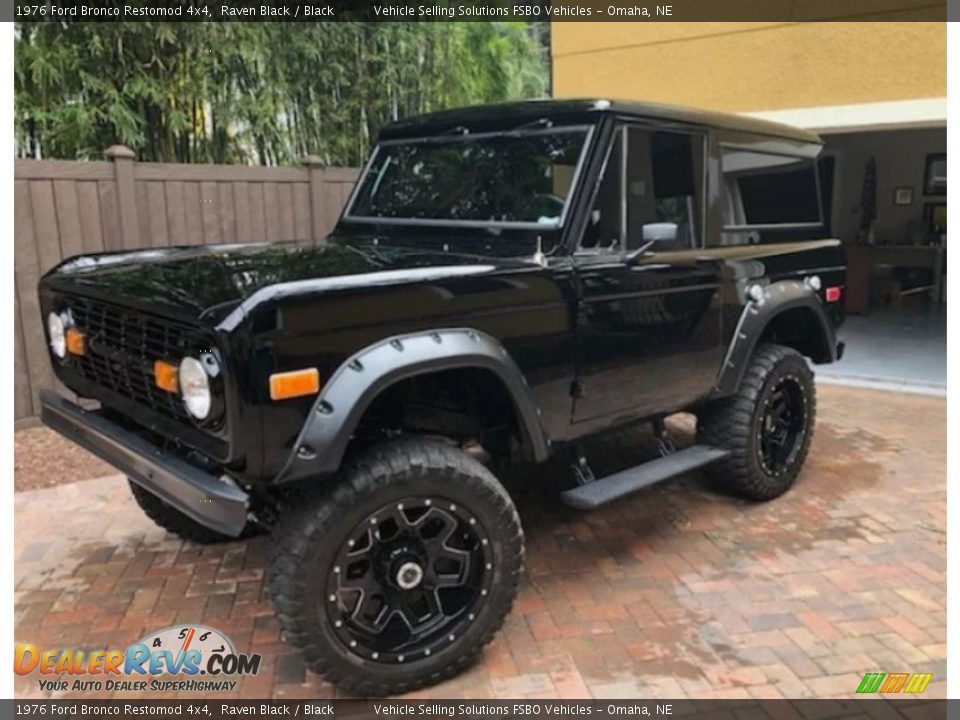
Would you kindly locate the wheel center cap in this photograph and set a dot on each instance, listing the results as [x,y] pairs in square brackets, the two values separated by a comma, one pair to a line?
[409,575]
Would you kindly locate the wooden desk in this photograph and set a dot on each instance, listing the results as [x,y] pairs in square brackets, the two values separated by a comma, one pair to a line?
[862,260]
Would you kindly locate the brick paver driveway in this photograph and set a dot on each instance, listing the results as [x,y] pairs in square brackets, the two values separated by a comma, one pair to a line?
[676,592]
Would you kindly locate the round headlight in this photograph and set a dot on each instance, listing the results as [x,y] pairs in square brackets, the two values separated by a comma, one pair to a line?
[195,387]
[58,336]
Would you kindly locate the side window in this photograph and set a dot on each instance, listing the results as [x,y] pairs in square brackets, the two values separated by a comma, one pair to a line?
[604,229]
[767,197]
[664,189]
[652,189]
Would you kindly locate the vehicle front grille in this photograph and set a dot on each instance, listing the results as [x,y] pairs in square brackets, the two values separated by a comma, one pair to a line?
[122,346]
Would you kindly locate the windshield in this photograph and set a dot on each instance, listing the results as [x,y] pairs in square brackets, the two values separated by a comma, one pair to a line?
[521,177]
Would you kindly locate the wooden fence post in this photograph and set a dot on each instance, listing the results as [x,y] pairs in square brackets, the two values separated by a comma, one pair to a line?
[123,159]
[316,171]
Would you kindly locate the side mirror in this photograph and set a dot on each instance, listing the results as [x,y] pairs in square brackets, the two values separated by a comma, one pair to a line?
[652,234]
[660,232]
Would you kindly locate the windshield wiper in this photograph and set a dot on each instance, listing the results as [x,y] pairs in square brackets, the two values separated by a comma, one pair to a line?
[540,122]
[533,124]
[455,130]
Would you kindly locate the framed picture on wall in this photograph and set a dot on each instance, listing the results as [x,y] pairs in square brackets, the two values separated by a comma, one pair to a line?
[903,196]
[935,174]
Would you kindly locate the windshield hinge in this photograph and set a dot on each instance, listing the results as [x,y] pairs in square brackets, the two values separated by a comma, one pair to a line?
[538,257]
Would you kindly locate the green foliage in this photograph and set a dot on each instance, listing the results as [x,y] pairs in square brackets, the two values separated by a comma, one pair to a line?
[262,93]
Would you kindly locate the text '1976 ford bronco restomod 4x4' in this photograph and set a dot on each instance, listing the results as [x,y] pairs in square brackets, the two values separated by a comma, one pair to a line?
[504,283]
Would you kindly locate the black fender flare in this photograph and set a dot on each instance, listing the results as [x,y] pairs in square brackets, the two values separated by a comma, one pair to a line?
[323,439]
[776,298]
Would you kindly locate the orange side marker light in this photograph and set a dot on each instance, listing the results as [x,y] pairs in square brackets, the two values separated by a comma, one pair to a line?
[76,342]
[295,383]
[165,375]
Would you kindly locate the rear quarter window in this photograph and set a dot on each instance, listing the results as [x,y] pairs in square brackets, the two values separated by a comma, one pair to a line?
[768,197]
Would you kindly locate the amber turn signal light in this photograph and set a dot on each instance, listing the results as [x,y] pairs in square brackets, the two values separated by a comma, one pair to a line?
[294,384]
[165,375]
[76,342]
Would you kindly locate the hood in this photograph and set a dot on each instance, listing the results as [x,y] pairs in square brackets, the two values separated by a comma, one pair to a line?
[204,284]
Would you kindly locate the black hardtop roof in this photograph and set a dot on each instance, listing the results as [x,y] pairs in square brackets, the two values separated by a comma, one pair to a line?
[508,115]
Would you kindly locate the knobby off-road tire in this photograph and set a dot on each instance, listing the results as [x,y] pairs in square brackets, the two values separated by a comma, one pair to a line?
[401,526]
[172,520]
[776,398]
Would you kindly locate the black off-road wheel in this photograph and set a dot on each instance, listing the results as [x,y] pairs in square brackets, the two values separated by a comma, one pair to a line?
[767,426]
[172,520]
[401,571]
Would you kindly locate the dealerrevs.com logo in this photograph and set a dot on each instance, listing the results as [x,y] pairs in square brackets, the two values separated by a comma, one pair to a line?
[201,657]
[894,682]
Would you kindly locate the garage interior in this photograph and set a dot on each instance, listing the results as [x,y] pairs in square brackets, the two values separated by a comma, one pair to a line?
[884,194]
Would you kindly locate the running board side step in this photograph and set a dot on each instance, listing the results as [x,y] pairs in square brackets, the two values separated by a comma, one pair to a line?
[601,491]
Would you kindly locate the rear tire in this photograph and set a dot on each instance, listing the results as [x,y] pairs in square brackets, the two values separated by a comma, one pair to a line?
[767,425]
[399,572]
[172,520]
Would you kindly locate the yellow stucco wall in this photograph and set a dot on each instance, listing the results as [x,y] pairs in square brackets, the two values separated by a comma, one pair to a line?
[750,66]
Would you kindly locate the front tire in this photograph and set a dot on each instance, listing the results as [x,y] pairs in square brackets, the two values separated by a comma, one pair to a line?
[766,426]
[174,521]
[398,574]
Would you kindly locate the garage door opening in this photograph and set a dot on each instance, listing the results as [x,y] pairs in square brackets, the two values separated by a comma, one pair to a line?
[888,207]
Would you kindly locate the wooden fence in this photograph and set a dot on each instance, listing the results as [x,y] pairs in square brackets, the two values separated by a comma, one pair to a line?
[65,208]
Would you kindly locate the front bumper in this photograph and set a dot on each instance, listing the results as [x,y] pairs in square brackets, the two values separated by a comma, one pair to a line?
[216,504]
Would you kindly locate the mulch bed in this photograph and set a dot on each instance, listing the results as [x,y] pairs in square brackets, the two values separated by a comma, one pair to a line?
[42,459]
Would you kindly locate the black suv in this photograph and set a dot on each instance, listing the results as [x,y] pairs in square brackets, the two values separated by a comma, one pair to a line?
[503,283]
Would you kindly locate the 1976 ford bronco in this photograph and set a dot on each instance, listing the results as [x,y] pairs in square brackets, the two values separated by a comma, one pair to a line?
[504,283]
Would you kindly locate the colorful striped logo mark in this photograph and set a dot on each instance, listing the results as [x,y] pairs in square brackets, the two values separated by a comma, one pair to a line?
[894,682]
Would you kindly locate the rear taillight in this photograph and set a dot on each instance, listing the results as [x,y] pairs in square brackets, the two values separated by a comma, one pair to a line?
[833,294]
